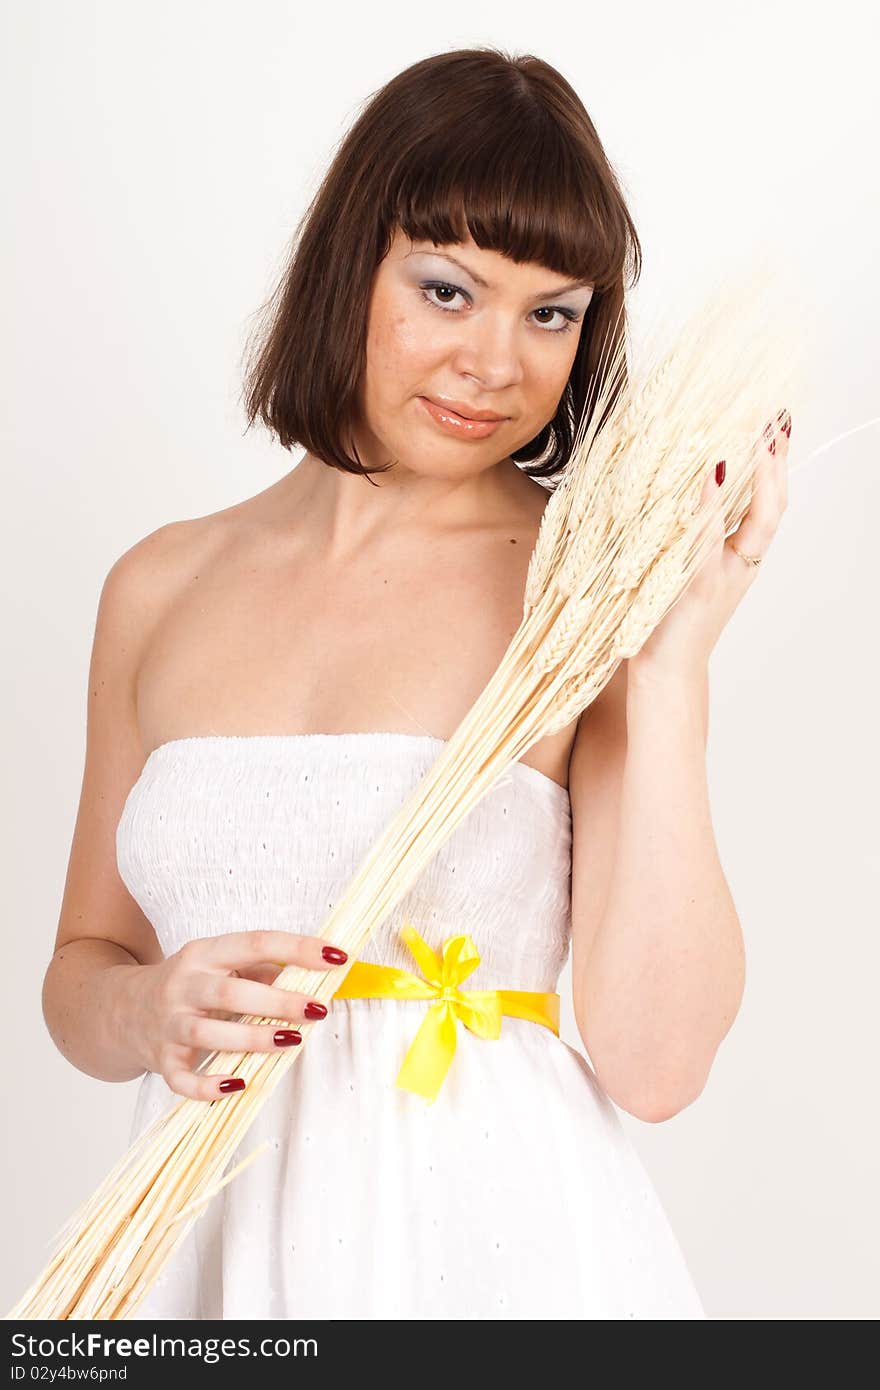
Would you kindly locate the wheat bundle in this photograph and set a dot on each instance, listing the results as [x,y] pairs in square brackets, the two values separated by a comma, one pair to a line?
[620,539]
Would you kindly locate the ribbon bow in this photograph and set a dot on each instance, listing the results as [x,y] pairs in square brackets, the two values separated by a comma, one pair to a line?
[433,1047]
[431,1051]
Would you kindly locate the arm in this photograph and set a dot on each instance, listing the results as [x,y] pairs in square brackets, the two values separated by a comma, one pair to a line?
[84,991]
[103,940]
[658,956]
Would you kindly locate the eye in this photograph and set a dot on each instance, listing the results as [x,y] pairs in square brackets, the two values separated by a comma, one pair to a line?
[429,285]
[569,316]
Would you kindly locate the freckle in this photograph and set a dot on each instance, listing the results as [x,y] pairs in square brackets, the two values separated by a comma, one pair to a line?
[513,540]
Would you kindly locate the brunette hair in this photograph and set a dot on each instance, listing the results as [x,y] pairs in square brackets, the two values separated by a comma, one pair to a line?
[472,141]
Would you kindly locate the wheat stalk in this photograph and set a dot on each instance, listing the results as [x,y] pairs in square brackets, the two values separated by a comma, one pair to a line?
[620,538]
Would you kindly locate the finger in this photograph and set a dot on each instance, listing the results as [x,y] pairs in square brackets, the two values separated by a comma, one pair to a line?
[180,1077]
[219,992]
[777,432]
[767,503]
[712,491]
[232,950]
[711,509]
[783,445]
[776,437]
[215,1035]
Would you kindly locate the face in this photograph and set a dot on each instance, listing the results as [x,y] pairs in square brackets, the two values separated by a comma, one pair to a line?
[455,331]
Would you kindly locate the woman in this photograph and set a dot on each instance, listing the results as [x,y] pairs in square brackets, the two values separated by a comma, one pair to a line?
[293,664]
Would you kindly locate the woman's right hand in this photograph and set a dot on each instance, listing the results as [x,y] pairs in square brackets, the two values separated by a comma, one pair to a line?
[181,1005]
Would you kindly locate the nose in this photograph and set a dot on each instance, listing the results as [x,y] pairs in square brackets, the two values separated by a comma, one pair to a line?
[490,352]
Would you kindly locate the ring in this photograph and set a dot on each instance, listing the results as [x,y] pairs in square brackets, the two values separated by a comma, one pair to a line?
[752,559]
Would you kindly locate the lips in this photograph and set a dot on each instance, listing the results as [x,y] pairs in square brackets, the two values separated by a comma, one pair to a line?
[452,422]
[464,410]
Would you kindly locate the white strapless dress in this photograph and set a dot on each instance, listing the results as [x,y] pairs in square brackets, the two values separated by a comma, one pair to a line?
[517,1193]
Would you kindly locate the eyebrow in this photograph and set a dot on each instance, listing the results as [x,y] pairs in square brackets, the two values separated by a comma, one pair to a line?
[484,284]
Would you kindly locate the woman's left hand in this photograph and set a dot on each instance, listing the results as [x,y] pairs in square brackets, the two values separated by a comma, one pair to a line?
[682,641]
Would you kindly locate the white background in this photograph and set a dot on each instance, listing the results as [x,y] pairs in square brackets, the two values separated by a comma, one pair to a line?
[156,158]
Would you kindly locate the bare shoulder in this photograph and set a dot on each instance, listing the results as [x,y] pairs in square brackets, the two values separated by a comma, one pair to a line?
[143,582]
[142,575]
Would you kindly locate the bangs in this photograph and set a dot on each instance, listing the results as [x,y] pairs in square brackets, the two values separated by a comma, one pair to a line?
[516,186]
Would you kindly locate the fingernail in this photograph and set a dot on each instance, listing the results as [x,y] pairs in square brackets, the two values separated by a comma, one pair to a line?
[785,419]
[235,1083]
[768,435]
[287,1037]
[314,1010]
[720,470]
[334,955]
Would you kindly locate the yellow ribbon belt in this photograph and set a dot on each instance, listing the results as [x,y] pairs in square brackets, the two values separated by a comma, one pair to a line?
[433,1047]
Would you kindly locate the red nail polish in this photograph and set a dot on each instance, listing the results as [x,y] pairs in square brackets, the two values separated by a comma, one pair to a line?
[235,1083]
[287,1037]
[334,955]
[314,1010]
[720,470]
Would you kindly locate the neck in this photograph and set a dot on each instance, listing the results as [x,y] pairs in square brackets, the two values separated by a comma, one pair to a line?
[345,511]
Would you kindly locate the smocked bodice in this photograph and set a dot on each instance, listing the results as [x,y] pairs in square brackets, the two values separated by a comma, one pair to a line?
[228,833]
